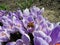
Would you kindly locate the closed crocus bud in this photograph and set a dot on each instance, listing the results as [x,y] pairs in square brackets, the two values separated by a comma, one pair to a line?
[42,10]
[2,13]
[26,12]
[19,42]
[42,35]
[36,11]
[26,39]
[18,14]
[11,43]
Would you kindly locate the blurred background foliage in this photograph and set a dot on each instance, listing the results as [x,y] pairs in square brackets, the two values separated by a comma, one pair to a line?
[52,7]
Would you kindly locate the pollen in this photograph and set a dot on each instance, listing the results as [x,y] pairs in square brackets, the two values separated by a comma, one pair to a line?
[30,24]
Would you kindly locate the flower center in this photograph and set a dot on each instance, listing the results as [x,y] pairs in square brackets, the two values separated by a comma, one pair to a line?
[31,24]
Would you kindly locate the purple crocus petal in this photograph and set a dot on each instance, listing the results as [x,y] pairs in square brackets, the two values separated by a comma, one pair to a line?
[40,20]
[18,14]
[50,29]
[48,39]
[11,43]
[33,11]
[43,35]
[8,25]
[27,20]
[30,19]
[36,41]
[4,36]
[2,13]
[29,23]
[39,34]
[19,42]
[41,11]
[30,30]
[50,25]
[36,11]
[26,12]
[39,41]
[55,35]
[22,30]
[10,15]
[26,39]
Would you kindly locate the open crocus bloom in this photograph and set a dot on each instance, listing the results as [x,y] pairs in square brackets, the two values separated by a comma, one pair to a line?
[4,36]
[55,35]
[28,27]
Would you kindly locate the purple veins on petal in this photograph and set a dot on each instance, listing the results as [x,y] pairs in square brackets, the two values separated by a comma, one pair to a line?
[19,42]
[40,41]
[42,35]
[2,13]
[30,19]
[39,34]
[19,15]
[4,36]
[10,15]
[26,39]
[36,41]
[36,11]
[55,35]
[50,25]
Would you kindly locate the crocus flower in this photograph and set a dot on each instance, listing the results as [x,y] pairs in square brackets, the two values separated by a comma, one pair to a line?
[18,14]
[42,35]
[2,13]
[55,35]
[39,41]
[32,26]
[24,41]
[4,36]
[28,20]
